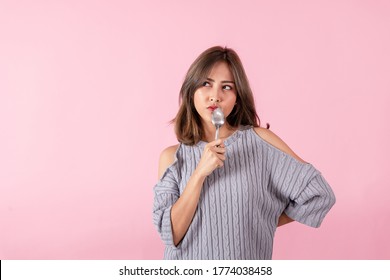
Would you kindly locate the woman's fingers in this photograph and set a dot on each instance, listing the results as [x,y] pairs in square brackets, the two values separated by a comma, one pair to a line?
[219,150]
[217,142]
[212,158]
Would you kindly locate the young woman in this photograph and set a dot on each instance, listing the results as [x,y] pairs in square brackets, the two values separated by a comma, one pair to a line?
[224,198]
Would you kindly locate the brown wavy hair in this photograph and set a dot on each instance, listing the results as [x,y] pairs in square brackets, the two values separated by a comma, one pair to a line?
[188,125]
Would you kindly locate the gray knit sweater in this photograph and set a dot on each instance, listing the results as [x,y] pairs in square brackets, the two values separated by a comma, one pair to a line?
[241,202]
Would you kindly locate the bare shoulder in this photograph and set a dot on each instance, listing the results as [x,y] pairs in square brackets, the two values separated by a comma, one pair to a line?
[270,137]
[167,157]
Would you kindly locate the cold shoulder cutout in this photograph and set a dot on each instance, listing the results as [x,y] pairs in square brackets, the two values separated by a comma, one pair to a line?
[167,158]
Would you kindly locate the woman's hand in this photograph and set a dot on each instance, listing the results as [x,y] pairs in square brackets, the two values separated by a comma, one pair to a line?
[213,157]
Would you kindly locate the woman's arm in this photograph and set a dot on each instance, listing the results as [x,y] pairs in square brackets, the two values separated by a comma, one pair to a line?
[284,219]
[184,208]
[312,198]
[275,141]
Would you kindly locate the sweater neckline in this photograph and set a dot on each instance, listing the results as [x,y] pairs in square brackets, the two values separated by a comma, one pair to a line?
[231,139]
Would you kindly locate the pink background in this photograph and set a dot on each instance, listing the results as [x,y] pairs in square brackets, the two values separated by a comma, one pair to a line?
[87,89]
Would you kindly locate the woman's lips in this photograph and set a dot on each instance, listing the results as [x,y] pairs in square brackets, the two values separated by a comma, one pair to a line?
[212,108]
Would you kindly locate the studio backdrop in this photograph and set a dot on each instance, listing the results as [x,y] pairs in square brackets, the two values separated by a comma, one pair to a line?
[88,88]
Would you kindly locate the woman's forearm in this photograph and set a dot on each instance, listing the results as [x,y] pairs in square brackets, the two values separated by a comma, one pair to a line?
[183,210]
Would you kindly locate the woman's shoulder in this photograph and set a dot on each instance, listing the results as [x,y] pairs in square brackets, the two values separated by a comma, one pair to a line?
[167,157]
[273,139]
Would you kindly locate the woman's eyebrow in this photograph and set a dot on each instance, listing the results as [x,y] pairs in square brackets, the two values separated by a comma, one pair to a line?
[224,82]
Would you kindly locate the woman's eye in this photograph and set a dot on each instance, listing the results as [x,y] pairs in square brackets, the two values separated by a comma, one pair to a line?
[227,87]
[206,84]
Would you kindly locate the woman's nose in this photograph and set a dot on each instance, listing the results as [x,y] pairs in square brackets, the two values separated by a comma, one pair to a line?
[214,99]
[215,96]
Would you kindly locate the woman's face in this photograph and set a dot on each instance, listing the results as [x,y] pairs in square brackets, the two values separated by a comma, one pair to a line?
[218,90]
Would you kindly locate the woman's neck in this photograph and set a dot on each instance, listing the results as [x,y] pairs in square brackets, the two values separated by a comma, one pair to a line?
[224,132]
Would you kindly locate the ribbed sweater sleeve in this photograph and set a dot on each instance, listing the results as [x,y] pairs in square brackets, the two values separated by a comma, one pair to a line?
[166,193]
[310,196]
[313,203]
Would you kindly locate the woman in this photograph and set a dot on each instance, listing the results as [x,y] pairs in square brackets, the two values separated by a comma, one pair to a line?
[224,198]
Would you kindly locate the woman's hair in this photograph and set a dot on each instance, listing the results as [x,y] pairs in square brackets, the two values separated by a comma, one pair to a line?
[188,124]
